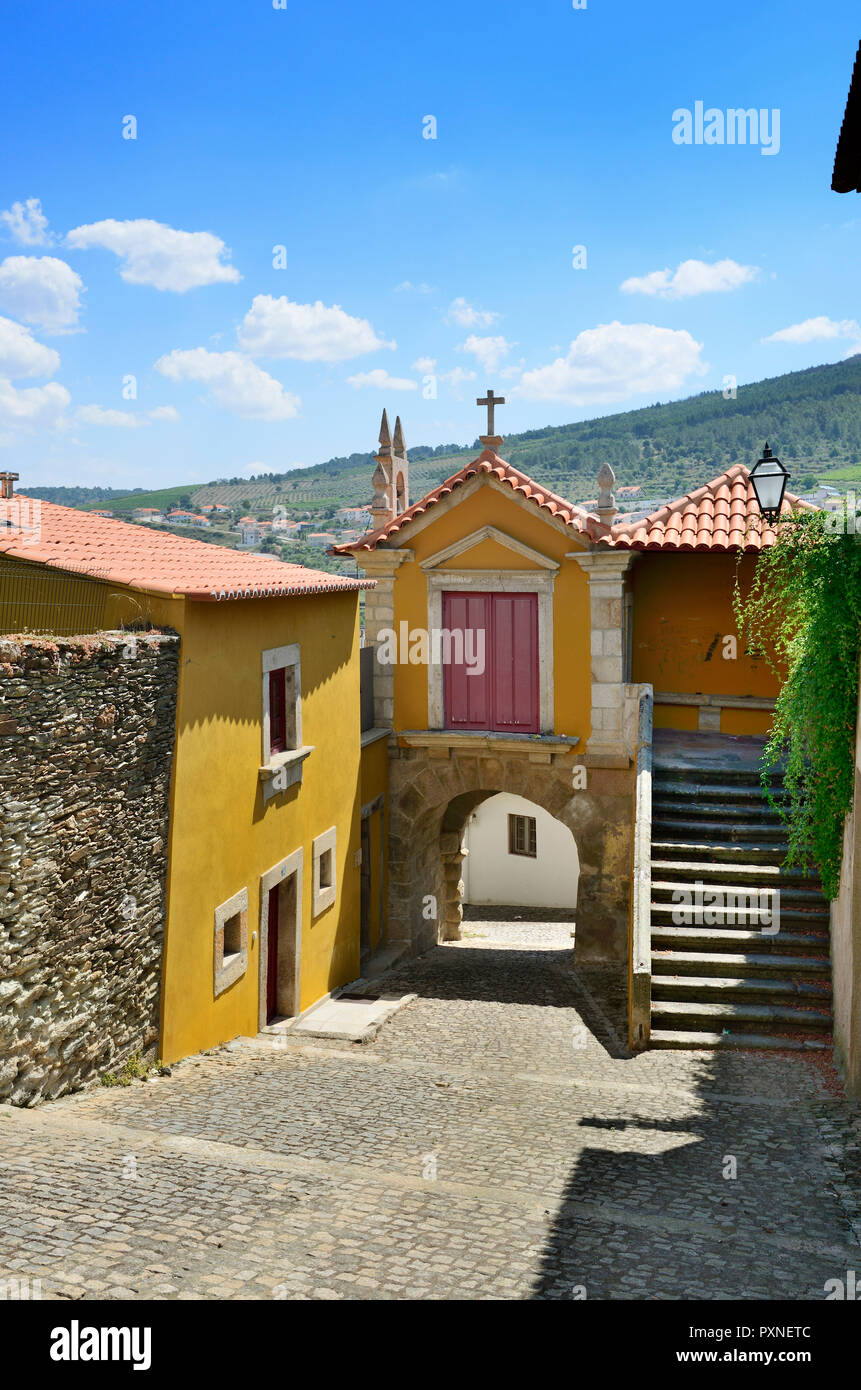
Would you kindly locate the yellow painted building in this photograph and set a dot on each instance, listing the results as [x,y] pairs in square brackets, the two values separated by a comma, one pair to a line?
[265,812]
[311,828]
[580,610]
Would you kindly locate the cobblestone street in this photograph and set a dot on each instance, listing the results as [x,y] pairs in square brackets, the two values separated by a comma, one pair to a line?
[495,1141]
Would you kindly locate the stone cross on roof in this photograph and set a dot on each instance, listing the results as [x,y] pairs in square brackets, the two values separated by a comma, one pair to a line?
[490,440]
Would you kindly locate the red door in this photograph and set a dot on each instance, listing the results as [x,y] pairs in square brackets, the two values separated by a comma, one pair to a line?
[505,696]
[514,663]
[272,957]
[467,696]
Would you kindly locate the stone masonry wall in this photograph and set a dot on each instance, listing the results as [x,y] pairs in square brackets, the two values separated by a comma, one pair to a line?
[86,746]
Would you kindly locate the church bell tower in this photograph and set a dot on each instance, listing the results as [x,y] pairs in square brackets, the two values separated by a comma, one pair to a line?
[391,476]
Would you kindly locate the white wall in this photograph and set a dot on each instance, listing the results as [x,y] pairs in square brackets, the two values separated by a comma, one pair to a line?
[846,942]
[492,875]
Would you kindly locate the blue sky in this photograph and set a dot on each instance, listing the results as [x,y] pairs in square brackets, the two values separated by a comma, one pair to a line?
[411,263]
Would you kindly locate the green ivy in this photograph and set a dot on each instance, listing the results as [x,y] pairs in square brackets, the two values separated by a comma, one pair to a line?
[803,614]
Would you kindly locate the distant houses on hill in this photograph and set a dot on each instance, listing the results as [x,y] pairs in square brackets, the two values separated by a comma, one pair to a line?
[184,518]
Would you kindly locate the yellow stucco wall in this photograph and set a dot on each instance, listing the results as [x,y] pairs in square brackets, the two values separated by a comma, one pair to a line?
[222,837]
[682,612]
[374,783]
[571,645]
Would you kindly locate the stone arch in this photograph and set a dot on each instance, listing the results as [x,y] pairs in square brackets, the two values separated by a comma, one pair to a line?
[431,798]
[400,494]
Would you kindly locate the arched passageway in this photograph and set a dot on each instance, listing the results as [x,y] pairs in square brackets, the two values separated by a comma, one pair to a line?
[518,856]
[432,796]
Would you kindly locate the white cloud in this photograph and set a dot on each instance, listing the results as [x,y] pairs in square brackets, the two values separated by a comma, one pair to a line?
[690,278]
[237,384]
[459,311]
[41,290]
[456,378]
[120,419]
[813,330]
[407,287]
[614,361]
[123,419]
[21,355]
[310,332]
[32,405]
[157,255]
[489,351]
[27,223]
[380,379]
[424,364]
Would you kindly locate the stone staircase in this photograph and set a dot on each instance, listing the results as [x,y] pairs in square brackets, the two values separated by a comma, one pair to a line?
[721,975]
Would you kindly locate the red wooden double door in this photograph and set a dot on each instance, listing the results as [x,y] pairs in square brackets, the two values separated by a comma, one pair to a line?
[504,696]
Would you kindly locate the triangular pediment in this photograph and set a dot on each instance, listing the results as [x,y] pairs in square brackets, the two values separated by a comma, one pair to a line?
[526,556]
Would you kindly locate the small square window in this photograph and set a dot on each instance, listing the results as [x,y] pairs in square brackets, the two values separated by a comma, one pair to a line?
[522,836]
[230,942]
[232,937]
[324,886]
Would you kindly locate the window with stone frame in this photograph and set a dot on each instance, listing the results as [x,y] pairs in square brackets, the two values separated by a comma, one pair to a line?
[230,942]
[324,882]
[283,752]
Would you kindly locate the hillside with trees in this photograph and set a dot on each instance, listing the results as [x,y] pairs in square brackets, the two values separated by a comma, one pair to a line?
[812,419]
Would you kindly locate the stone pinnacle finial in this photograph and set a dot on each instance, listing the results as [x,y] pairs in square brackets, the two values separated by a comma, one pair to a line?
[399,446]
[380,483]
[385,437]
[606,506]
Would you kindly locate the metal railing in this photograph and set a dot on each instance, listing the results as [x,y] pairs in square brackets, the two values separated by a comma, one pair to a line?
[37,599]
[640,946]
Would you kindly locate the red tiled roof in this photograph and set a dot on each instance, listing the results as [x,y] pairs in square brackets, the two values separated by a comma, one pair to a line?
[493,466]
[121,553]
[723,515]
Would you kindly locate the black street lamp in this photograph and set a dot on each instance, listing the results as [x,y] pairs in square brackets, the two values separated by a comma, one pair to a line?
[769,479]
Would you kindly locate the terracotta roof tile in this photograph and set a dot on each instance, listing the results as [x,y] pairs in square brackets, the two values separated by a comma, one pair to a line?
[722,515]
[493,466]
[121,553]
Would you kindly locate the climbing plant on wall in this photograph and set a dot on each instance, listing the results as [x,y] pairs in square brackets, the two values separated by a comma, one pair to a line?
[803,613]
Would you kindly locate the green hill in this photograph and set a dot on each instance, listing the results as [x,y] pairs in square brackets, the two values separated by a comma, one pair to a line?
[812,419]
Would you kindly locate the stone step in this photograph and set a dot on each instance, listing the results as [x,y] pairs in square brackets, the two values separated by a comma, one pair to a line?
[723,792]
[696,1013]
[676,962]
[667,828]
[670,773]
[815,919]
[737,938]
[676,871]
[673,1037]
[793,898]
[734,986]
[724,852]
[743,812]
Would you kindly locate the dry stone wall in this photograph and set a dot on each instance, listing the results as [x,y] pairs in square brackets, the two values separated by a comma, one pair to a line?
[86,745]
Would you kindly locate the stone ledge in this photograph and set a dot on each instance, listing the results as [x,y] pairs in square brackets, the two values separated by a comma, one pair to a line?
[440,742]
[374,735]
[715,701]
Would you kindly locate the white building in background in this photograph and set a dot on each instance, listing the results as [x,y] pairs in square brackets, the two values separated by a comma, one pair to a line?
[518,856]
